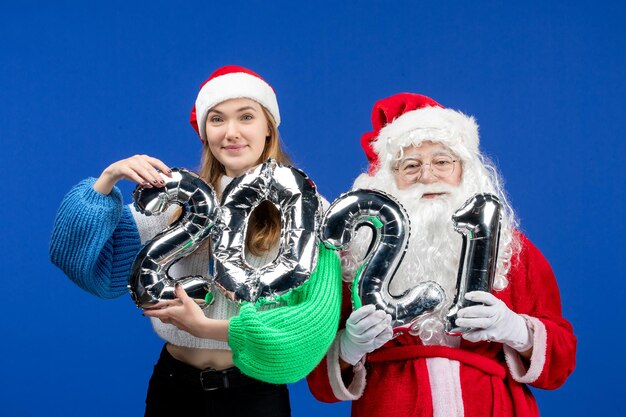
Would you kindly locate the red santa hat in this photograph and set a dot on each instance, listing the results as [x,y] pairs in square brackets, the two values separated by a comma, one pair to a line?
[230,82]
[408,119]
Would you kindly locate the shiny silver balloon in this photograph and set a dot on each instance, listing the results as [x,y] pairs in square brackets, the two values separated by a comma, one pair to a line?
[149,282]
[478,220]
[299,205]
[390,226]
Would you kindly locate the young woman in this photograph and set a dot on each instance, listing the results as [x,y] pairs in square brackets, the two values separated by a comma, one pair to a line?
[224,359]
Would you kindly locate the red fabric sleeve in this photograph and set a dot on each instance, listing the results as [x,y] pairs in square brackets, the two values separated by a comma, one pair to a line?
[535,293]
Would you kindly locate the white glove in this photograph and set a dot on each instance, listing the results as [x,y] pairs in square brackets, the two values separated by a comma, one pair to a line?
[367,329]
[493,321]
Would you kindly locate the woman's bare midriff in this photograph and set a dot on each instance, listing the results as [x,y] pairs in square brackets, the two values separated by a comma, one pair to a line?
[202,358]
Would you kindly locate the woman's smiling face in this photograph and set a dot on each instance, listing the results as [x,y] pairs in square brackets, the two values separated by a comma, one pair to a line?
[237,131]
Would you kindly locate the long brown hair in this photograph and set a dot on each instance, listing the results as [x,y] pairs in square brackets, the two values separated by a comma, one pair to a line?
[264,223]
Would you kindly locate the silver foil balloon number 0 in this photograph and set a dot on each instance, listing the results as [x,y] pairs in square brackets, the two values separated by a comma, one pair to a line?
[297,200]
[479,222]
[149,282]
[390,225]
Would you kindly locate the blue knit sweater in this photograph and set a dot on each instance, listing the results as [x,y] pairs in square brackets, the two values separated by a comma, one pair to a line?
[95,240]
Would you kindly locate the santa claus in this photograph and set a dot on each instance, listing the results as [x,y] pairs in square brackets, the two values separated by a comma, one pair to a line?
[428,158]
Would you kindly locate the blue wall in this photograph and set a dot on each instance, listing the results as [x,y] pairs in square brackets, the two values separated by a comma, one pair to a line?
[85,84]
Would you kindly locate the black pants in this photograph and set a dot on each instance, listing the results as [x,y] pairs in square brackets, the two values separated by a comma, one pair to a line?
[178,389]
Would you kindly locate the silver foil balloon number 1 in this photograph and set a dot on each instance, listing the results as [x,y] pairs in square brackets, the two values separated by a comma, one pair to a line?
[149,282]
[390,225]
[478,221]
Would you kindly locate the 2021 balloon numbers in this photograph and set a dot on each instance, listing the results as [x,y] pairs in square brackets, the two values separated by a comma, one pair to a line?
[299,205]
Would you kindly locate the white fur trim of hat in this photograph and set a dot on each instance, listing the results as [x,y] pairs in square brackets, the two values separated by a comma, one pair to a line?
[452,128]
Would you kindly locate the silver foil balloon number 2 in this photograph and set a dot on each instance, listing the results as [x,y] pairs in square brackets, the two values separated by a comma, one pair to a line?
[390,226]
[149,282]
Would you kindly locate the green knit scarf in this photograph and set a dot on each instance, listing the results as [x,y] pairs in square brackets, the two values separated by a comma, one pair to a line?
[282,345]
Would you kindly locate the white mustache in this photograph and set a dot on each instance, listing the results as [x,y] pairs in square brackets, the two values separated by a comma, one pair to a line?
[417,191]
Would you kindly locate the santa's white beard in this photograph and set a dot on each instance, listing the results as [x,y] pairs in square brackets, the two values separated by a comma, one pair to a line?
[434,246]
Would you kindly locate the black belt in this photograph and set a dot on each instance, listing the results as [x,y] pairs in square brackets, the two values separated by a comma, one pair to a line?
[209,379]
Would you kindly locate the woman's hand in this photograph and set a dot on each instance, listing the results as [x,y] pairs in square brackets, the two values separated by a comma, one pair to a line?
[184,313]
[142,169]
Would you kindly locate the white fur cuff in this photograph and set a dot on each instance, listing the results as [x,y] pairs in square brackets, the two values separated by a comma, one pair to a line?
[357,386]
[538,358]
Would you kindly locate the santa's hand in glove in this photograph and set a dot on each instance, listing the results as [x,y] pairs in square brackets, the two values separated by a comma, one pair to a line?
[367,329]
[495,322]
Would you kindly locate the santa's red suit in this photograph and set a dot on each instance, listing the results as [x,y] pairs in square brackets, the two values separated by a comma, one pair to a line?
[406,378]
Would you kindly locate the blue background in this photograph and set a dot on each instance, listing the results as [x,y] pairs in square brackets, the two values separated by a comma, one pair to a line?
[86,83]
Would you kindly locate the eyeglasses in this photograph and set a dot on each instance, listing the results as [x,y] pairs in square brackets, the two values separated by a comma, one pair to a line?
[411,169]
